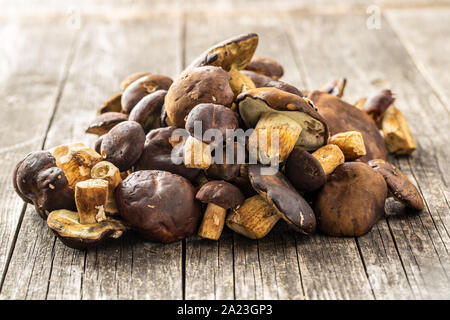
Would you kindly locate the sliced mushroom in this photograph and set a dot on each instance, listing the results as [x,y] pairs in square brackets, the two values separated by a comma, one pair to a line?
[266,66]
[90,198]
[341,116]
[159,205]
[351,143]
[231,54]
[351,201]
[113,104]
[396,132]
[330,157]
[335,87]
[254,218]
[66,225]
[129,79]
[105,122]
[279,193]
[195,86]
[220,196]
[142,87]
[107,171]
[147,111]
[398,184]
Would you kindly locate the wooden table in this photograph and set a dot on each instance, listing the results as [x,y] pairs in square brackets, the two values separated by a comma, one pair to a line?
[58,63]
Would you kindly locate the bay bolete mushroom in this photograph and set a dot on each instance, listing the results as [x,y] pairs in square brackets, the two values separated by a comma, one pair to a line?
[400,187]
[351,201]
[220,196]
[66,225]
[113,104]
[194,86]
[351,143]
[147,111]
[159,205]
[142,87]
[259,80]
[279,193]
[231,54]
[38,180]
[266,66]
[105,122]
[341,116]
[129,79]
[107,171]
[123,145]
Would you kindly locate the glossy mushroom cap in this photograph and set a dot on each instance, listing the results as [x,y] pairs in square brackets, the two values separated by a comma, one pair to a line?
[398,184]
[233,53]
[157,154]
[341,116]
[266,66]
[277,191]
[159,205]
[147,111]
[351,201]
[194,86]
[253,103]
[304,171]
[221,193]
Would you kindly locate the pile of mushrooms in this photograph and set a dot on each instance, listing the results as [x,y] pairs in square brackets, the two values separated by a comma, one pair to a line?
[152,172]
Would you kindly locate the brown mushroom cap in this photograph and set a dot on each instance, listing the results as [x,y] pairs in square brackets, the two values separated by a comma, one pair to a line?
[66,225]
[211,116]
[304,171]
[147,111]
[40,181]
[351,201]
[255,102]
[266,66]
[105,122]
[159,205]
[398,184]
[341,117]
[233,53]
[113,104]
[277,191]
[221,193]
[142,87]
[129,79]
[195,86]
[123,145]
[158,151]
[258,79]
[15,184]
[284,86]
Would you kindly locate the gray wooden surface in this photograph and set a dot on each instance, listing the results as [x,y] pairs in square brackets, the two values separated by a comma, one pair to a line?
[59,62]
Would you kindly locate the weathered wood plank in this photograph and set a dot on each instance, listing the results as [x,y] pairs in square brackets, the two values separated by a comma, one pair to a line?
[32,66]
[126,268]
[421,240]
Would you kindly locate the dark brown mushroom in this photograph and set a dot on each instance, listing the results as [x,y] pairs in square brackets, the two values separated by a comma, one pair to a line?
[105,122]
[159,205]
[304,171]
[195,86]
[278,192]
[351,201]
[341,116]
[147,111]
[123,145]
[258,79]
[129,79]
[220,196]
[377,104]
[284,86]
[266,66]
[142,87]
[398,184]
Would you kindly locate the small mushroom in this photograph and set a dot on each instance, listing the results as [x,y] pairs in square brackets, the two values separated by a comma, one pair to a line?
[142,87]
[330,157]
[38,180]
[159,205]
[90,198]
[259,80]
[284,86]
[350,142]
[351,201]
[220,196]
[105,122]
[376,104]
[273,104]
[195,86]
[232,54]
[254,218]
[304,171]
[341,116]
[113,104]
[66,225]
[398,184]
[266,66]
[123,145]
[147,111]
[158,153]
[107,171]
[335,87]
[129,79]
[396,132]
[279,193]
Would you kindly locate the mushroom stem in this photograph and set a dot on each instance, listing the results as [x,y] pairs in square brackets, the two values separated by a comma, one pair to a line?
[274,137]
[396,132]
[351,143]
[254,219]
[90,199]
[107,171]
[197,154]
[329,156]
[213,222]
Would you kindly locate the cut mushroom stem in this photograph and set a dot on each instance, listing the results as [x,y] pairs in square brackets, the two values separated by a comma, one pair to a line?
[396,132]
[254,219]
[107,171]
[213,222]
[274,137]
[330,156]
[90,199]
[197,154]
[351,143]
